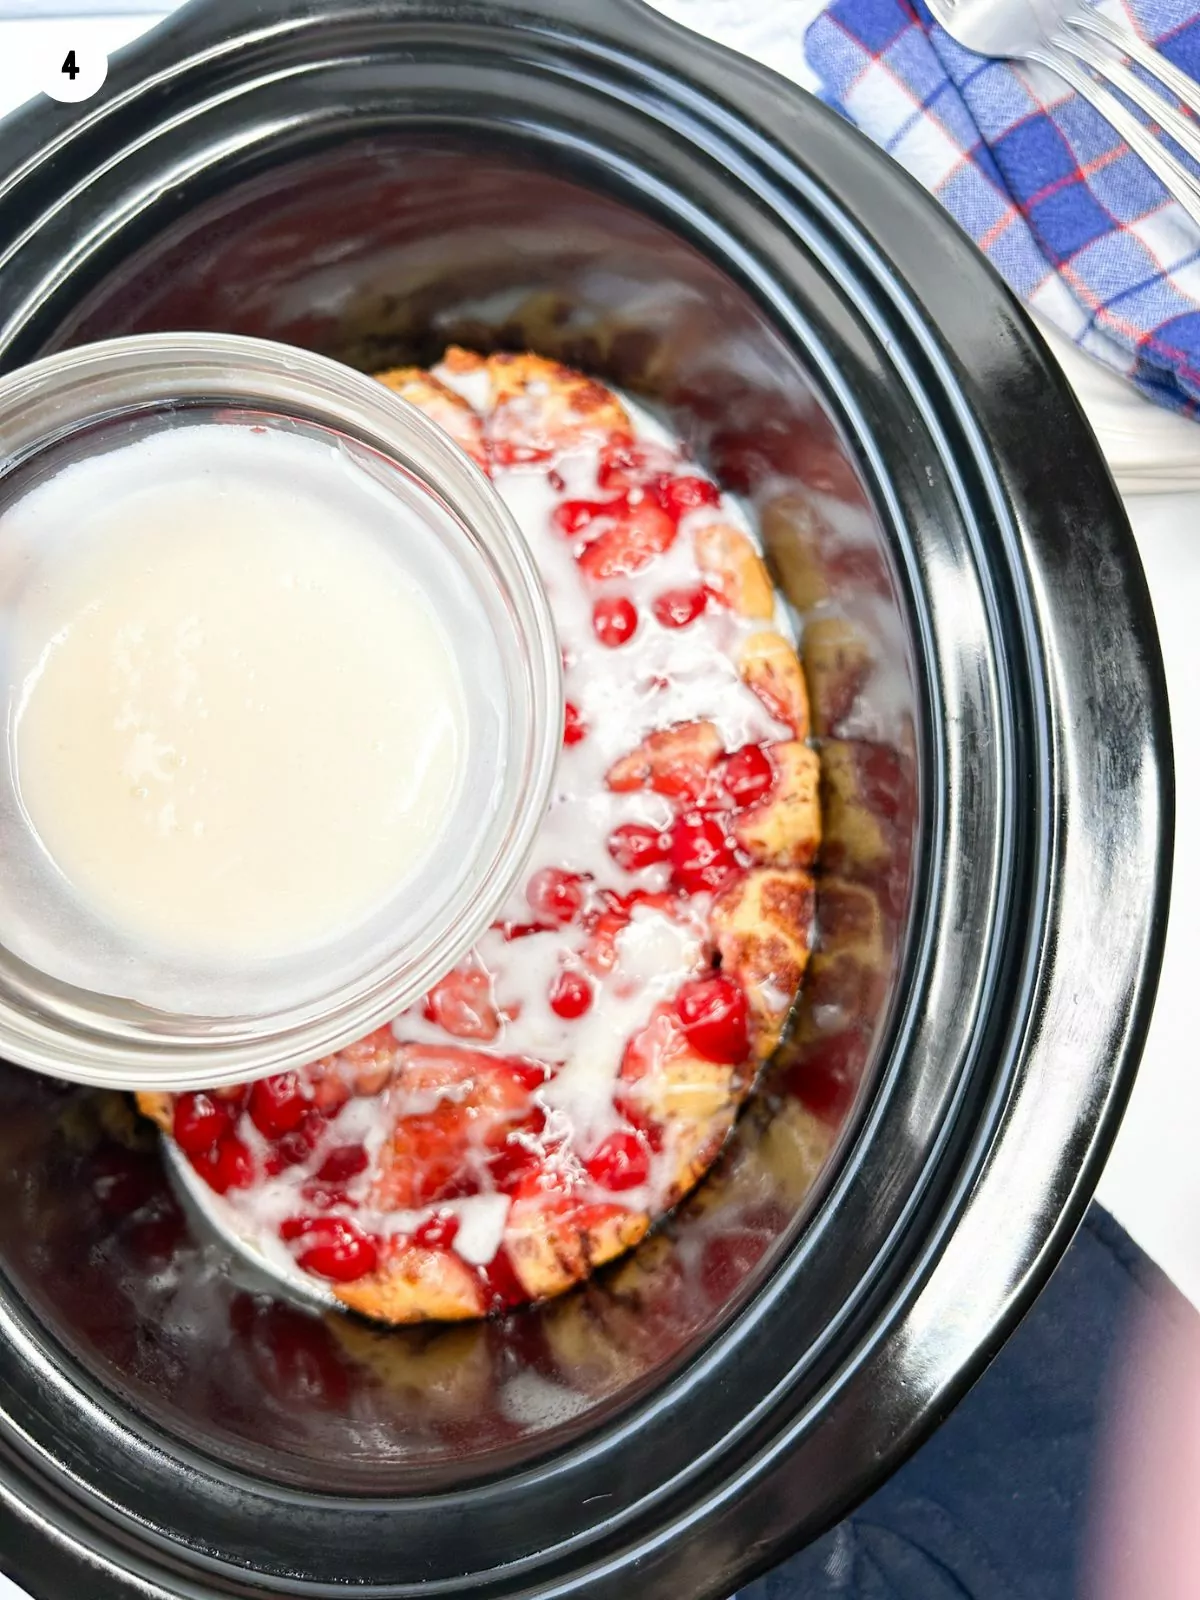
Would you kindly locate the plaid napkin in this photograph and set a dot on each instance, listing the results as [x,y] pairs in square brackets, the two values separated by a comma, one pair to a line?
[1079,227]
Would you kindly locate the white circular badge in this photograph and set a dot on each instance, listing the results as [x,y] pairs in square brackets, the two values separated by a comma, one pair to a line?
[69,66]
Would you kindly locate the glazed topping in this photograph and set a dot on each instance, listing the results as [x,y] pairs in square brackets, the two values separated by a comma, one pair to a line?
[216,650]
[582,1060]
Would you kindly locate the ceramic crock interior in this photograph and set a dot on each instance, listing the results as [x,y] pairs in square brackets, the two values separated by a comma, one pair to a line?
[381,252]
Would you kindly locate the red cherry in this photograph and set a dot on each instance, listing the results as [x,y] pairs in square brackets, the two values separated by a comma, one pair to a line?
[676,608]
[501,1285]
[641,1122]
[521,1156]
[556,895]
[701,854]
[618,461]
[227,1166]
[199,1121]
[748,776]
[570,995]
[625,465]
[462,1004]
[574,727]
[343,1162]
[621,1162]
[509,931]
[614,620]
[334,1247]
[290,1149]
[550,1179]
[634,846]
[650,1048]
[641,533]
[529,1075]
[277,1105]
[677,496]
[715,1018]
[573,516]
[438,1232]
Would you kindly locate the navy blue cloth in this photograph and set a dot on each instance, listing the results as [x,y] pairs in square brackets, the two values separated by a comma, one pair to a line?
[995,1505]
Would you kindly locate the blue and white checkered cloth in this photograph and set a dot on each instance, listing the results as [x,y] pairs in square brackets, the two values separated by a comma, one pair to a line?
[1079,227]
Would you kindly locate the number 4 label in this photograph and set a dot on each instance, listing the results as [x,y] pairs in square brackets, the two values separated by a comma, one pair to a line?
[68,67]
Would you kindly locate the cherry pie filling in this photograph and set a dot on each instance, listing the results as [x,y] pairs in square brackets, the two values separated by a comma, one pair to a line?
[575,1076]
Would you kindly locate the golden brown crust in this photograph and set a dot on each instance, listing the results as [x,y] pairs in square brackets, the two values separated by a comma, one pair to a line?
[409,380]
[416,1285]
[695,1150]
[157,1106]
[441,405]
[733,568]
[458,360]
[540,407]
[771,668]
[553,1246]
[762,927]
[692,1100]
[686,1089]
[785,830]
[698,1103]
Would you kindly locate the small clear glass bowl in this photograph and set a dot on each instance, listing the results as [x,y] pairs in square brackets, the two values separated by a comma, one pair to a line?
[280,1016]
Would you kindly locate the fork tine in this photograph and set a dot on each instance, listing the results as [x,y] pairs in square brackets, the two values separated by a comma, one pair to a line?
[1184,132]
[1171,173]
[1135,47]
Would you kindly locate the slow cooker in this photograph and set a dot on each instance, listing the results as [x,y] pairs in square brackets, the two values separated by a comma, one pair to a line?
[373,179]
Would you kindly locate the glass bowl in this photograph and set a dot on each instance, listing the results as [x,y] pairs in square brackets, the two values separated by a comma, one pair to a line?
[100,1019]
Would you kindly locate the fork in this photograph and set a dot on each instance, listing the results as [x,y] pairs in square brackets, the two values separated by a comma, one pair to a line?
[1075,42]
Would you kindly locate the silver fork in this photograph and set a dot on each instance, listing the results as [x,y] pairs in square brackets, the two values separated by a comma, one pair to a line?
[1070,38]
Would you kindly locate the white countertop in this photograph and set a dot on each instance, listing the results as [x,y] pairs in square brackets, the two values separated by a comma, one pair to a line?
[1152,1182]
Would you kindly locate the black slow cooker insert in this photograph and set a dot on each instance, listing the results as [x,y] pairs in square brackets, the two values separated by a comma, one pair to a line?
[374,180]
